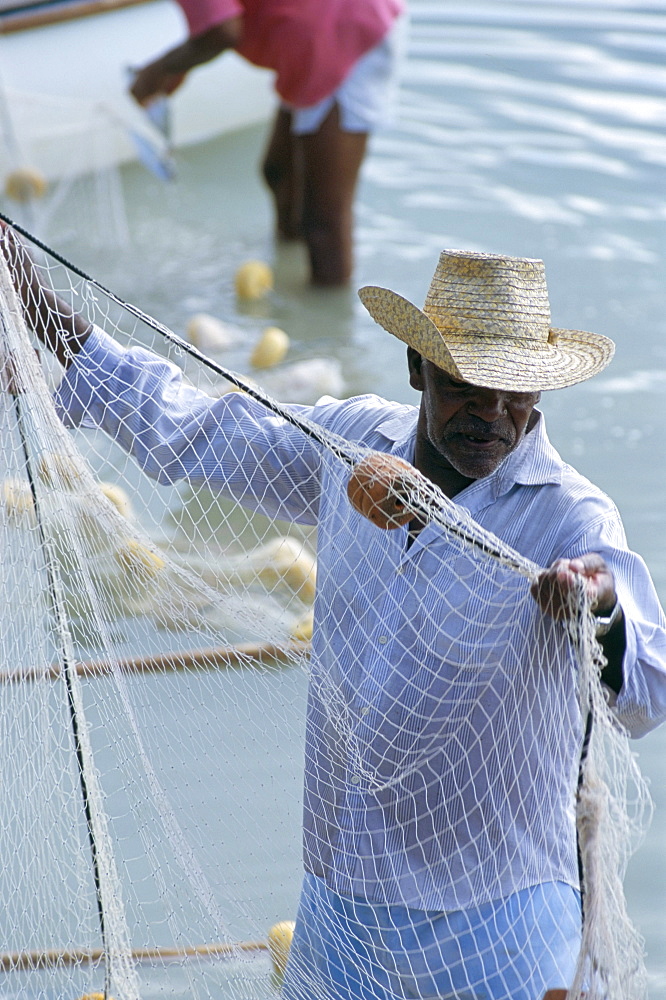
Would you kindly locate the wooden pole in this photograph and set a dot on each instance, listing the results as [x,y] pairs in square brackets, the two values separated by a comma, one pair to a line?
[23,961]
[16,19]
[221,657]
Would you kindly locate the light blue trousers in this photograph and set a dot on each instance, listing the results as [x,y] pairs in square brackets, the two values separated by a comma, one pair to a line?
[510,949]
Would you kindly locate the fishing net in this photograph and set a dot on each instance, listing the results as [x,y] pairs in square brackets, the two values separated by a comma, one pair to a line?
[163,691]
[43,186]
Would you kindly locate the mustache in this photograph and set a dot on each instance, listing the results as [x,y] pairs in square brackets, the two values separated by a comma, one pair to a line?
[475,427]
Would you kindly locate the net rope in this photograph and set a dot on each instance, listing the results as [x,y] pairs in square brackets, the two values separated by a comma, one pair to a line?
[162,689]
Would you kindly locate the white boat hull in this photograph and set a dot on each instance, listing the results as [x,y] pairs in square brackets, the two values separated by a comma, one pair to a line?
[64,107]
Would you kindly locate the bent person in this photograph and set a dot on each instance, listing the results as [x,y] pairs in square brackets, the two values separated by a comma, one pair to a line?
[336,64]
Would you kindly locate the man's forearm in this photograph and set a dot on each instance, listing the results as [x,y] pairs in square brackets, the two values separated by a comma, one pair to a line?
[167,71]
[52,320]
[202,48]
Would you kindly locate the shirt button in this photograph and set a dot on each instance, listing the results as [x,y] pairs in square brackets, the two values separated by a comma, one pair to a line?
[383,639]
[364,711]
[355,780]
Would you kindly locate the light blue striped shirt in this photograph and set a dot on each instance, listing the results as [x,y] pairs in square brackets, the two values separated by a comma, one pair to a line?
[443,730]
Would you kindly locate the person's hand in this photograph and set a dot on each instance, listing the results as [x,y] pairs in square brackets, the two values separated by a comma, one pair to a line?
[554,590]
[152,82]
[51,318]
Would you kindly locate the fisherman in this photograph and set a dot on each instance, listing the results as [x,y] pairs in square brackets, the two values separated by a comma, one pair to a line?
[336,64]
[458,875]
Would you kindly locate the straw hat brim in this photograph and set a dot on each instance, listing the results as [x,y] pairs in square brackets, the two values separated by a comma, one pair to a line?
[510,363]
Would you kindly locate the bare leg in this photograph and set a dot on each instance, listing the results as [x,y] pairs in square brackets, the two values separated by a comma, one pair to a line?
[331,164]
[283,172]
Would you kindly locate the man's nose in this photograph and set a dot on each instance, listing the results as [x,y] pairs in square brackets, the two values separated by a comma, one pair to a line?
[488,404]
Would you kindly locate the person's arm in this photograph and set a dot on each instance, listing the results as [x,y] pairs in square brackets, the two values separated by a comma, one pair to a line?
[53,321]
[165,74]
[555,589]
[232,444]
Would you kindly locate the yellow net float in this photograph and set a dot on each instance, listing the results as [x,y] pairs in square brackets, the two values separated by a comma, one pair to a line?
[25,184]
[270,349]
[138,560]
[285,560]
[16,499]
[118,497]
[253,280]
[279,943]
[302,628]
[59,470]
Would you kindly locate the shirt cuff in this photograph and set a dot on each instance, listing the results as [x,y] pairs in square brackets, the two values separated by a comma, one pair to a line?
[630,703]
[75,395]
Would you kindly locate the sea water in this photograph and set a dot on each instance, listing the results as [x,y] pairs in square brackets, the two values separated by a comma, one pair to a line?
[524,127]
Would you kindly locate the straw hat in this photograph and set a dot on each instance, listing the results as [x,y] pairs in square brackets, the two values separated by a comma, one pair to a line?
[486,320]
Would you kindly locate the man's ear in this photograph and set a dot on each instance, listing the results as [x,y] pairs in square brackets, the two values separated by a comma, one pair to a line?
[415,363]
[534,416]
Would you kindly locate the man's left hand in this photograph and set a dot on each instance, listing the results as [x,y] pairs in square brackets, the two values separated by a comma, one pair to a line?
[556,586]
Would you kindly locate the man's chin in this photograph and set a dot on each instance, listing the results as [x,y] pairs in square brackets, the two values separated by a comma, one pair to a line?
[477,466]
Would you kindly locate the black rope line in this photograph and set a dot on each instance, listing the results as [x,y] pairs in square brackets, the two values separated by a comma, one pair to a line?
[185,346]
[68,670]
[428,510]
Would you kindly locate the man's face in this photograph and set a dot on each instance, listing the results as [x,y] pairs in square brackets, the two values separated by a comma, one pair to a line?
[467,427]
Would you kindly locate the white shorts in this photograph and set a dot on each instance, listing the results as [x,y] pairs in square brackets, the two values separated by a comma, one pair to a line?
[365,97]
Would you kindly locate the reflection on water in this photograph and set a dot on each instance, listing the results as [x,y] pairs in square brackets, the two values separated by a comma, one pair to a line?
[531,128]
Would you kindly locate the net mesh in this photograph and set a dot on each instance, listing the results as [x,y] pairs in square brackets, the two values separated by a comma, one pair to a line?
[163,690]
[42,184]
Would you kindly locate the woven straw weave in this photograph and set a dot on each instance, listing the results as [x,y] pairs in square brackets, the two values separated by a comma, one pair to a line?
[486,320]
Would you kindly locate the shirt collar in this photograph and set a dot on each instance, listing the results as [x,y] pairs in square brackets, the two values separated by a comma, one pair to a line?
[533,463]
[400,427]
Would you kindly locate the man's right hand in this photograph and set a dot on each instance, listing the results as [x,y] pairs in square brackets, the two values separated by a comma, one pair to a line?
[53,320]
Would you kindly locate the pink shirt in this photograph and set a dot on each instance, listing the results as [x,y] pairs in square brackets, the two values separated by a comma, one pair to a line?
[311,44]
